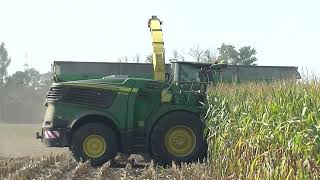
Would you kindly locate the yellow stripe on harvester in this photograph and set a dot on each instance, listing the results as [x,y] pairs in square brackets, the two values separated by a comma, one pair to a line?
[107,86]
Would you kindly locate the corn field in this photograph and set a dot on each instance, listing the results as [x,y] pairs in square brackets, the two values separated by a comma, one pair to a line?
[265,130]
[254,131]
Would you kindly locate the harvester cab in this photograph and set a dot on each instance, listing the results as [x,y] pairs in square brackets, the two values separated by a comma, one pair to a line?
[192,76]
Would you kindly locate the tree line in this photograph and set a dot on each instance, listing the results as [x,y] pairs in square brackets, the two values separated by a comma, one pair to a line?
[226,53]
[22,93]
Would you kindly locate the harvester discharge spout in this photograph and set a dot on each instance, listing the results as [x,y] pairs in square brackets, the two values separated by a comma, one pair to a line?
[158,58]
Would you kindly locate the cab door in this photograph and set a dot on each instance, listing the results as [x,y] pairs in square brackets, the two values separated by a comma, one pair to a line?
[142,105]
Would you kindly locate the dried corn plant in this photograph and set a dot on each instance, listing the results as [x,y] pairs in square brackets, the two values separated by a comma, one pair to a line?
[103,171]
[149,172]
[11,165]
[34,167]
[81,171]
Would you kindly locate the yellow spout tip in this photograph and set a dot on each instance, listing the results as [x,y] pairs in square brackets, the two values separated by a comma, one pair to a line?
[153,17]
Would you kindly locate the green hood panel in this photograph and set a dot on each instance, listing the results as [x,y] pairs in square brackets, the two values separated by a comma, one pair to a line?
[116,84]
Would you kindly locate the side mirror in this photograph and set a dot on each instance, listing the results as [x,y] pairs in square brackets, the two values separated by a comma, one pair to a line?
[218,66]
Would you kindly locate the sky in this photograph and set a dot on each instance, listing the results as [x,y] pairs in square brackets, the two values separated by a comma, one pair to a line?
[37,32]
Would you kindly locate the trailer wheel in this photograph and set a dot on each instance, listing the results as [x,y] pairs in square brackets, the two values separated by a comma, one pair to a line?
[178,137]
[94,141]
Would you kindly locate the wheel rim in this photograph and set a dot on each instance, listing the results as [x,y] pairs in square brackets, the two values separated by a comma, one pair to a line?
[180,141]
[94,146]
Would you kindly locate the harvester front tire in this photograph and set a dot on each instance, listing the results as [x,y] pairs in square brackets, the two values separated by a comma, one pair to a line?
[95,142]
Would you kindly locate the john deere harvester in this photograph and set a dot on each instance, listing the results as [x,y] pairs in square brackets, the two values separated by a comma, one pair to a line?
[97,118]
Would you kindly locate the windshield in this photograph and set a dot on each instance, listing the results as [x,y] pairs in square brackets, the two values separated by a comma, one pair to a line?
[192,73]
[192,78]
[189,73]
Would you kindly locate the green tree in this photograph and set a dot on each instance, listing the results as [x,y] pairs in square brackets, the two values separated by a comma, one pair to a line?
[5,61]
[228,54]
[45,80]
[30,78]
[244,56]
[24,89]
[209,56]
[247,55]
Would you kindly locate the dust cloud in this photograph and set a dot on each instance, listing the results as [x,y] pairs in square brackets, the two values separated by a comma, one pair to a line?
[19,140]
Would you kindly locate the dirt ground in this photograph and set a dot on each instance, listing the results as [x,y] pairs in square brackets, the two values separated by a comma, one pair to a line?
[24,157]
[19,140]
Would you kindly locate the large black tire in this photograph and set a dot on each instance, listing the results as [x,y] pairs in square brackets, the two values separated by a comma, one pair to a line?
[161,131]
[85,137]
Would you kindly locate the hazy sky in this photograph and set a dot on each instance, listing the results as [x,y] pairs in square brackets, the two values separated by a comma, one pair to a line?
[284,32]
